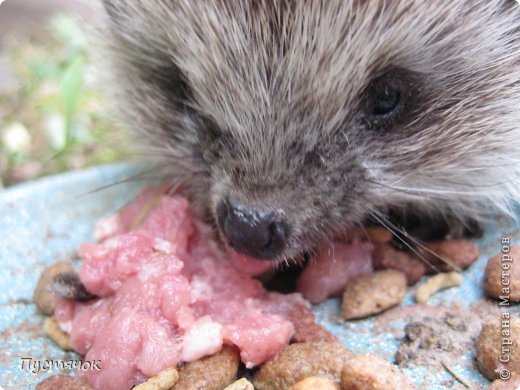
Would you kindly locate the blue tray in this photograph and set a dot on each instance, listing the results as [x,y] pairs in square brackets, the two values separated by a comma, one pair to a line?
[43,222]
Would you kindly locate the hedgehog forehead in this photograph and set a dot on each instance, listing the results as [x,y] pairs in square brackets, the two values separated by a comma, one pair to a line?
[240,60]
[265,68]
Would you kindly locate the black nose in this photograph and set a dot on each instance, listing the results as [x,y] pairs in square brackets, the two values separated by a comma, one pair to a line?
[254,233]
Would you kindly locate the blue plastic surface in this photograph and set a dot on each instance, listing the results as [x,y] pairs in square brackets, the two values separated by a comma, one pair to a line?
[43,222]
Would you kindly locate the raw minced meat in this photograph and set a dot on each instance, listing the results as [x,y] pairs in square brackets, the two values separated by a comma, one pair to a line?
[168,294]
[333,267]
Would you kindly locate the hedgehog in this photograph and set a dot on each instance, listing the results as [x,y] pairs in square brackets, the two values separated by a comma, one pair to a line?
[288,122]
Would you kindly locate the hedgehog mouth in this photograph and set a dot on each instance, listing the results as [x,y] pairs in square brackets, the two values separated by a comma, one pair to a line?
[292,257]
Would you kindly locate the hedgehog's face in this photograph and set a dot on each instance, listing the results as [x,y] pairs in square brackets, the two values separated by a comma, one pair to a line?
[291,178]
[290,120]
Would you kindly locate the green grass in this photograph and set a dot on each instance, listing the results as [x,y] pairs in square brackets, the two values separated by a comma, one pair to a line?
[55,119]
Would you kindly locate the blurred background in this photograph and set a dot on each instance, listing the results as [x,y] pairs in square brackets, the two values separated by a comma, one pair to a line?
[53,115]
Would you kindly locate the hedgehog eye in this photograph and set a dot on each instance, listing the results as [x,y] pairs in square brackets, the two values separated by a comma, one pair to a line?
[386,98]
[393,98]
[385,95]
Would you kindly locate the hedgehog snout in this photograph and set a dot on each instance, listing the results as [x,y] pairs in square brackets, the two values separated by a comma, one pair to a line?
[257,233]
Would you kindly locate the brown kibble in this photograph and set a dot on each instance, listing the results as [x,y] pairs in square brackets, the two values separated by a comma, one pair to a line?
[437,283]
[509,384]
[373,293]
[378,235]
[315,383]
[57,335]
[165,380]
[370,372]
[62,382]
[385,256]
[210,373]
[459,254]
[301,360]
[241,384]
[43,295]
[502,263]
[489,347]
[375,234]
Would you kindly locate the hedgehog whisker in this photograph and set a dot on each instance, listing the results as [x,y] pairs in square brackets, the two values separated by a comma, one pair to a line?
[399,233]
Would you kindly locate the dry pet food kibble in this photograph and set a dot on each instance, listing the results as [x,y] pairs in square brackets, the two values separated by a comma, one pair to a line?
[373,293]
[315,383]
[385,256]
[375,234]
[503,275]
[165,380]
[241,384]
[458,254]
[436,283]
[301,360]
[43,295]
[370,372]
[495,335]
[56,334]
[210,373]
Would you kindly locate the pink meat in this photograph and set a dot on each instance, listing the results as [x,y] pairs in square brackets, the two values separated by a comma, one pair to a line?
[169,294]
[130,216]
[334,266]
